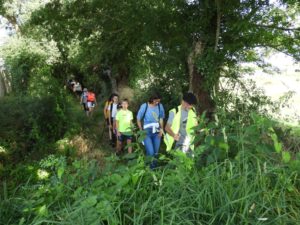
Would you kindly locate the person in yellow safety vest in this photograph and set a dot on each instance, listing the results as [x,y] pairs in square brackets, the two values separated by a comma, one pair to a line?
[180,124]
[105,109]
[106,114]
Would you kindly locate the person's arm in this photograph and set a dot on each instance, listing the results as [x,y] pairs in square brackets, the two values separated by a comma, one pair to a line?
[168,126]
[131,122]
[109,118]
[138,118]
[131,125]
[117,128]
[169,130]
[161,123]
[139,123]
[171,133]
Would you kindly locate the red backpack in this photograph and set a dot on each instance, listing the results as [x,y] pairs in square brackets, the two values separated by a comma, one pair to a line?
[91,97]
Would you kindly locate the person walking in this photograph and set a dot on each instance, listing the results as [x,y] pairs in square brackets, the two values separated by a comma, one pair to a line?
[180,124]
[77,89]
[112,112]
[150,119]
[106,115]
[91,102]
[83,100]
[124,126]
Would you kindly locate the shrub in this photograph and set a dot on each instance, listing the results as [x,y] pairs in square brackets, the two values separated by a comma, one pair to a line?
[30,126]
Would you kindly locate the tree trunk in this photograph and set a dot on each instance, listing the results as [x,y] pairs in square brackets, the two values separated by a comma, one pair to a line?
[113,81]
[2,86]
[197,81]
[5,83]
[122,83]
[218,26]
[205,101]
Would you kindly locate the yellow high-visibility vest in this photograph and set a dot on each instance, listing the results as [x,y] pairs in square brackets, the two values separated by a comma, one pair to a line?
[191,123]
[107,106]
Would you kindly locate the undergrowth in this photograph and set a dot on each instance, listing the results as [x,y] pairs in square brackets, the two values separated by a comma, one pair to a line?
[241,173]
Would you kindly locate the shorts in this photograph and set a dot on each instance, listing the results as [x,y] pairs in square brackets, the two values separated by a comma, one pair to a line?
[90,104]
[124,137]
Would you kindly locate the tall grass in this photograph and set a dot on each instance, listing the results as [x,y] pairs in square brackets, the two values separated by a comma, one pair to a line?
[240,179]
[232,192]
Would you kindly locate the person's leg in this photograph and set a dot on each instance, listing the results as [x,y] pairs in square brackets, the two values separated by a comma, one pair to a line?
[156,143]
[119,143]
[92,108]
[89,105]
[149,145]
[128,143]
[109,130]
[156,139]
[113,133]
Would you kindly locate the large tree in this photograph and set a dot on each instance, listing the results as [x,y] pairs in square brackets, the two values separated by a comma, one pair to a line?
[207,37]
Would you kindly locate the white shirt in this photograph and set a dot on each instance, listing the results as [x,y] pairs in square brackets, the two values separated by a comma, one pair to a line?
[114,110]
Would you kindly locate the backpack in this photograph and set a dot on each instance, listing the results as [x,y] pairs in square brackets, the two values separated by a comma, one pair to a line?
[91,97]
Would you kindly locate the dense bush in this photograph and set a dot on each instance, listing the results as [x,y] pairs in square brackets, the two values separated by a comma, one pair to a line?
[30,126]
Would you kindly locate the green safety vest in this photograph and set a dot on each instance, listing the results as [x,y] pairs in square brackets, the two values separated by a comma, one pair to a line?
[191,123]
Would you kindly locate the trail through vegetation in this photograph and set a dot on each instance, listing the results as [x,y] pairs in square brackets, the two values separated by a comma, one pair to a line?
[56,164]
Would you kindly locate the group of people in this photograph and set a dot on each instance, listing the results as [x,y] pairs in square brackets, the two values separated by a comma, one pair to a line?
[120,122]
[177,133]
[87,97]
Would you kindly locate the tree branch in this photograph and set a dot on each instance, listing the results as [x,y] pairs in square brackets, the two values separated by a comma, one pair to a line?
[276,27]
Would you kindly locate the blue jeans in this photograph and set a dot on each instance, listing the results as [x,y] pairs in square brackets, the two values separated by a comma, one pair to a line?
[152,144]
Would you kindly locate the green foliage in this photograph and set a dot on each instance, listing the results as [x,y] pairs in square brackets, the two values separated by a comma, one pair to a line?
[30,65]
[252,186]
[245,168]
[127,34]
[31,126]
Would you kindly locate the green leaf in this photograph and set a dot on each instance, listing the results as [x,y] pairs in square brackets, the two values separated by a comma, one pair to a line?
[224,146]
[60,172]
[22,221]
[42,211]
[286,157]
[89,202]
[278,147]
